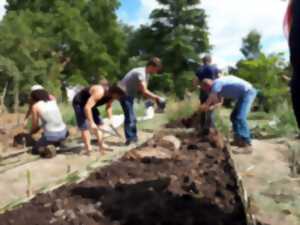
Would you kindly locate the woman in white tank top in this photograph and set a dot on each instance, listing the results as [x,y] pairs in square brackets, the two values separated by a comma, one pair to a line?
[46,115]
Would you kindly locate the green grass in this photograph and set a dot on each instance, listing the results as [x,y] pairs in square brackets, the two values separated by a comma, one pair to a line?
[181,109]
[69,115]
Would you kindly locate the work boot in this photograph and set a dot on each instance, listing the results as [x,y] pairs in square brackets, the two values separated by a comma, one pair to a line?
[239,142]
[48,152]
[243,150]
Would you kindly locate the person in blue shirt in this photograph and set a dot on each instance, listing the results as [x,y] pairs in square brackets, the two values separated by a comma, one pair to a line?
[206,71]
[244,94]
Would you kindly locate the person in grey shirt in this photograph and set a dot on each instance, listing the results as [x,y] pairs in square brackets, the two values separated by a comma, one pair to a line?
[133,84]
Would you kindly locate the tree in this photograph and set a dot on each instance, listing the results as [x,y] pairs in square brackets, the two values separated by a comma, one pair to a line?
[178,32]
[251,46]
[58,41]
[266,74]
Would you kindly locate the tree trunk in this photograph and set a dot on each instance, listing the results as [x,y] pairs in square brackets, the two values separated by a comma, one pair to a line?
[2,99]
[16,97]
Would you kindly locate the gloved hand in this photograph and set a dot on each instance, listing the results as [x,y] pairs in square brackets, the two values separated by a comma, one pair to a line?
[161,103]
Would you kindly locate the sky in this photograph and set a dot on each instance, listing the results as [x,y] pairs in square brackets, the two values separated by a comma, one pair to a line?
[229,21]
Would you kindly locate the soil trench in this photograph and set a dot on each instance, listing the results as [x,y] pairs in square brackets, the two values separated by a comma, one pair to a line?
[194,185]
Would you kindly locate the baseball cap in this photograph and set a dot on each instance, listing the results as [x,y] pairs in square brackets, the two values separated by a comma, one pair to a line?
[37,87]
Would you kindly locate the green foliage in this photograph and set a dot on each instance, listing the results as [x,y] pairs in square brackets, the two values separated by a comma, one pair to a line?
[282,122]
[178,32]
[251,46]
[61,40]
[265,73]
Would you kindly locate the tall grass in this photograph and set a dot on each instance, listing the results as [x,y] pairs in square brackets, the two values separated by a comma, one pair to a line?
[281,122]
[179,109]
[68,114]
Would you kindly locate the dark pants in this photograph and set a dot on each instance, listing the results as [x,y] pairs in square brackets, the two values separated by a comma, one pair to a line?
[127,104]
[53,139]
[81,119]
[207,119]
[295,84]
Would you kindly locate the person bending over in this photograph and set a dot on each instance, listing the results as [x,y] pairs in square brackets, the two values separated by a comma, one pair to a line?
[47,112]
[206,71]
[135,83]
[85,105]
[244,94]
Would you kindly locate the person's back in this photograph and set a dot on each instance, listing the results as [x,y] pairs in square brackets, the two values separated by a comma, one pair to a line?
[130,82]
[231,87]
[207,71]
[51,117]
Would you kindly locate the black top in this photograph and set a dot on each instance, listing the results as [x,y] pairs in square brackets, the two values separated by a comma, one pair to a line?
[207,72]
[294,39]
[82,97]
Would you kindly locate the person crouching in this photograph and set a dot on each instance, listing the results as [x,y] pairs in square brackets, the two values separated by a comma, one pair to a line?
[46,110]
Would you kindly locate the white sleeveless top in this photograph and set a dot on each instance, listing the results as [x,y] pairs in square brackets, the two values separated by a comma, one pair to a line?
[51,117]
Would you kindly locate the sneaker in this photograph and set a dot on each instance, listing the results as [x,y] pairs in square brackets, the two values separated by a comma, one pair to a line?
[243,150]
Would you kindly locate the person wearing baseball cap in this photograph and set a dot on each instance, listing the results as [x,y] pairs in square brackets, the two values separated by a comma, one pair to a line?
[35,87]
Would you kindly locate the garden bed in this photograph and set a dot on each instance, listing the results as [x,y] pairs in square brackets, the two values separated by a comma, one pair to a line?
[192,185]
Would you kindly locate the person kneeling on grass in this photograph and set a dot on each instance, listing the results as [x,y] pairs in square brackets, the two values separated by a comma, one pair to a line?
[243,92]
[45,110]
[85,105]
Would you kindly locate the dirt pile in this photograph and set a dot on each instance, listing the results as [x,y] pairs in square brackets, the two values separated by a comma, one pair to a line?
[189,122]
[193,185]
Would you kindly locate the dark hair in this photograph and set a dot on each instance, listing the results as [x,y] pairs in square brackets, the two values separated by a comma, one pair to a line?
[114,89]
[206,59]
[39,95]
[155,61]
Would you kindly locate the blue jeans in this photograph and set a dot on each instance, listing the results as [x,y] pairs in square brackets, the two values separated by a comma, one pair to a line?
[239,116]
[50,138]
[127,104]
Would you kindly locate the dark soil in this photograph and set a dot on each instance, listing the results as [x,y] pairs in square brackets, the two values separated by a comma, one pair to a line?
[197,186]
[23,139]
[189,122]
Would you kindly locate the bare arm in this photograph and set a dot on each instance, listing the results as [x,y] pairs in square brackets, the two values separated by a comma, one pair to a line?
[146,92]
[97,93]
[29,109]
[109,109]
[196,83]
[217,105]
[211,103]
[35,120]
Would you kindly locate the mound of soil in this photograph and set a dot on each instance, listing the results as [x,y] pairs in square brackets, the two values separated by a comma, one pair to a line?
[197,185]
[23,139]
[189,122]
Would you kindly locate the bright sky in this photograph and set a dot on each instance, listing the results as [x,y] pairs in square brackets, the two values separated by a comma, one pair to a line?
[229,21]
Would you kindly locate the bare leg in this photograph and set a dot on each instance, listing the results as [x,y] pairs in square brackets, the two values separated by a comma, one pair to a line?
[86,137]
[99,136]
